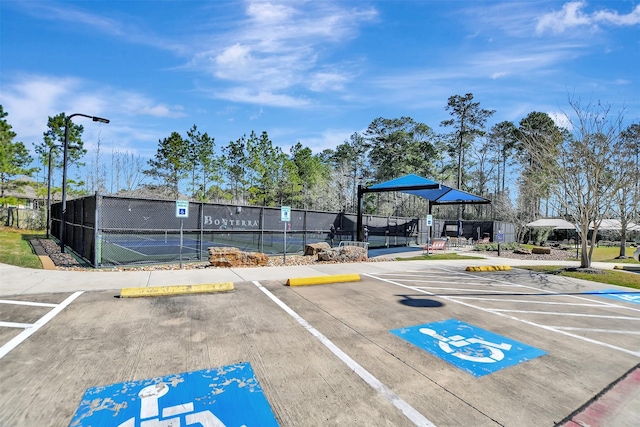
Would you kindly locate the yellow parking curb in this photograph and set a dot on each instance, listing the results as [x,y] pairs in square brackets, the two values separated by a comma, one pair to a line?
[323,280]
[489,268]
[47,263]
[158,291]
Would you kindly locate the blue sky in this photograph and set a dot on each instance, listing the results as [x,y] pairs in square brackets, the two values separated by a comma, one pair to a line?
[308,71]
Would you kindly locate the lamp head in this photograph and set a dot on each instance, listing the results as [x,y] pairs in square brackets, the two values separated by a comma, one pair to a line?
[99,119]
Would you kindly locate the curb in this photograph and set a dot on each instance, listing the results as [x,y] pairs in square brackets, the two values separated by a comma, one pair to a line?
[323,280]
[159,291]
[627,267]
[47,263]
[489,268]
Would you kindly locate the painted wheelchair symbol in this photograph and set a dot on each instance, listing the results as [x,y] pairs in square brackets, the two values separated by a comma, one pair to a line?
[150,411]
[476,353]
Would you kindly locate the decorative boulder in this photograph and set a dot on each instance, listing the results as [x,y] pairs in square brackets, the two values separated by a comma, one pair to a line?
[541,251]
[522,251]
[315,248]
[234,257]
[344,254]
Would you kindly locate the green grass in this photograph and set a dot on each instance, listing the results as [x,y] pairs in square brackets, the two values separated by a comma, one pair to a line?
[608,254]
[618,278]
[604,254]
[436,257]
[15,248]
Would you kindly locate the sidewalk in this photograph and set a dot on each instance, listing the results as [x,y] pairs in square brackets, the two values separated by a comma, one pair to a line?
[17,280]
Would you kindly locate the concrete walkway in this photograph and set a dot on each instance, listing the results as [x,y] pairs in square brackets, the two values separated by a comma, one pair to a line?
[17,280]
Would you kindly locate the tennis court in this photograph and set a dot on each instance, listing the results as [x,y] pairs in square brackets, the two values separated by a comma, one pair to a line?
[167,247]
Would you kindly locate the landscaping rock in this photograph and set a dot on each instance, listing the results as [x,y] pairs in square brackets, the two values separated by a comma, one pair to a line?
[522,251]
[541,251]
[313,249]
[234,257]
[344,254]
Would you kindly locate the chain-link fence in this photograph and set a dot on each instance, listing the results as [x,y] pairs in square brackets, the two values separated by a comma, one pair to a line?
[110,231]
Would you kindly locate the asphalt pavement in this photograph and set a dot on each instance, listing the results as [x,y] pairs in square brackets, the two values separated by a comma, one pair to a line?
[308,347]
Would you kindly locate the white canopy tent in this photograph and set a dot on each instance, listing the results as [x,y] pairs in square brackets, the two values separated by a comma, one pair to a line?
[555,223]
[614,224]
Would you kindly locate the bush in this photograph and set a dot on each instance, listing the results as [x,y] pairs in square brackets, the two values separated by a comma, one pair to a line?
[494,246]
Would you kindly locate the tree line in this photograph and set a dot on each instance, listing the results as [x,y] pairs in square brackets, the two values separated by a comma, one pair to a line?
[584,171]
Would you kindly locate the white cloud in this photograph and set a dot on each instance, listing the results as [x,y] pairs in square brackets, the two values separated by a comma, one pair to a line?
[329,138]
[269,13]
[260,97]
[560,119]
[67,12]
[31,99]
[572,15]
[278,47]
[323,81]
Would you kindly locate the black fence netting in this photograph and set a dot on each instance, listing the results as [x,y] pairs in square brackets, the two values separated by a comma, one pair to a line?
[112,231]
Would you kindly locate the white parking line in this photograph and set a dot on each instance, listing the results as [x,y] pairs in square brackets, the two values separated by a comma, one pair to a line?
[458,289]
[528,302]
[527,322]
[17,340]
[606,331]
[15,325]
[33,304]
[409,411]
[556,313]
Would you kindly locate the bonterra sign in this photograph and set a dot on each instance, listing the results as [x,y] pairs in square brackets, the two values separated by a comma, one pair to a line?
[224,223]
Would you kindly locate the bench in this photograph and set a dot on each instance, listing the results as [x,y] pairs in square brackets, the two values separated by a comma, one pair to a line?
[436,245]
[354,243]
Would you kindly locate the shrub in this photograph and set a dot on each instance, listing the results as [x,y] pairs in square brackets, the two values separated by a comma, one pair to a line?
[494,246]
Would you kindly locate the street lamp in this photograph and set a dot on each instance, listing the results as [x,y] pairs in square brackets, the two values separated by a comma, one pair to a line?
[63,217]
[72,147]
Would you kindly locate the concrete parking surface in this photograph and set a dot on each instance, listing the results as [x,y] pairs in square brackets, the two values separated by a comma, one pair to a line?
[336,354]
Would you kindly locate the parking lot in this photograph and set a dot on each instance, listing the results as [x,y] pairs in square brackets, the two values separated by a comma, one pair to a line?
[425,346]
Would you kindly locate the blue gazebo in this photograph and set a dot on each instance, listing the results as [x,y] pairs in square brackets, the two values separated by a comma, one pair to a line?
[434,192]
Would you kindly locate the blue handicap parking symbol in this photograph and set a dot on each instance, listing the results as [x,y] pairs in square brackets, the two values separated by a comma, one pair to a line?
[628,296]
[229,396]
[472,349]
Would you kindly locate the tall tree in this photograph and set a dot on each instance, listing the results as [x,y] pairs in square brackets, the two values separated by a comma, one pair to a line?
[468,122]
[14,157]
[351,159]
[537,133]
[53,141]
[205,162]
[627,198]
[170,162]
[127,169]
[482,168]
[398,147]
[235,161]
[504,137]
[586,169]
[312,171]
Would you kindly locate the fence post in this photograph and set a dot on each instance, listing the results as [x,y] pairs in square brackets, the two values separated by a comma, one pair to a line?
[97,247]
[201,219]
[261,230]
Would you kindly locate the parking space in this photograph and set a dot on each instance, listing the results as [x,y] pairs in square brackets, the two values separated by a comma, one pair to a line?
[378,352]
[572,308]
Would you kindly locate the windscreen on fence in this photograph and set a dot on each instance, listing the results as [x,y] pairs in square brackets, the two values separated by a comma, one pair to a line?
[113,231]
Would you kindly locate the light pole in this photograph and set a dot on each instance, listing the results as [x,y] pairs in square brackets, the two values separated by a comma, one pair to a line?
[49,190]
[73,147]
[63,217]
